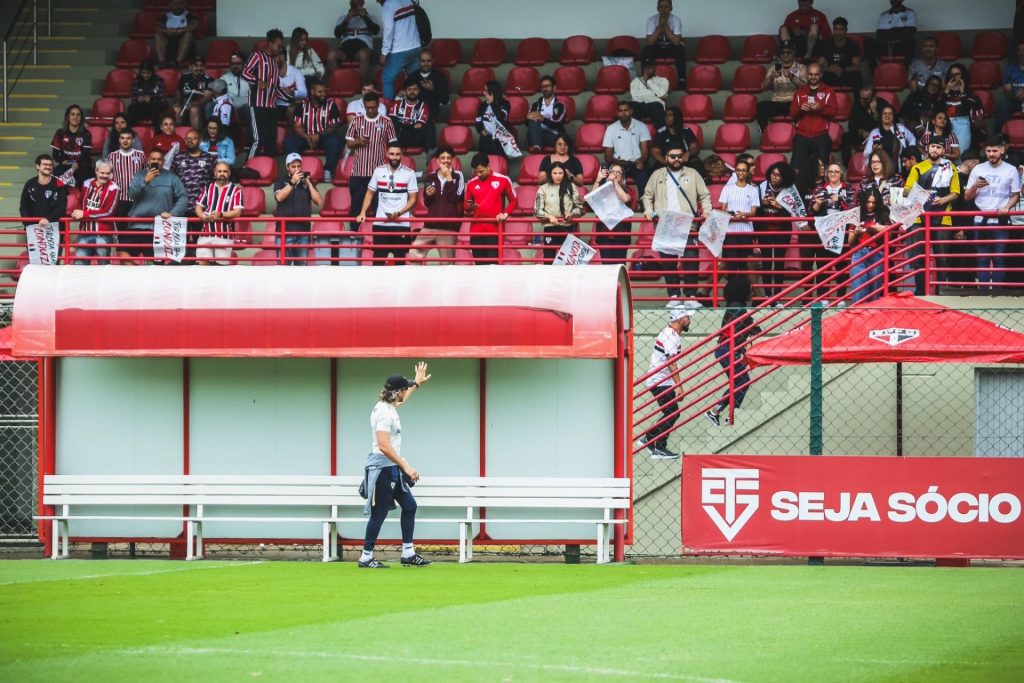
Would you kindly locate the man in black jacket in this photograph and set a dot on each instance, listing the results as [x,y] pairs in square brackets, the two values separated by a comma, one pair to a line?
[864,118]
[546,120]
[43,197]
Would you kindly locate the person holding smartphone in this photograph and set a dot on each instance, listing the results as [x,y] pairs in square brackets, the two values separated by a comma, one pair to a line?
[295,195]
[155,192]
[783,78]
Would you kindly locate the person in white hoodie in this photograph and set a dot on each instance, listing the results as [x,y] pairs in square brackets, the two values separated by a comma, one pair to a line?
[400,46]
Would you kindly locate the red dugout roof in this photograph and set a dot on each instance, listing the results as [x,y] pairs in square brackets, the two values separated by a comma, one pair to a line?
[439,312]
[896,328]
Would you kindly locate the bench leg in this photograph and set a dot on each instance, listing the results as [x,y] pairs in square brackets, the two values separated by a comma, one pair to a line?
[602,543]
[334,541]
[200,552]
[59,541]
[190,537]
[462,542]
[65,551]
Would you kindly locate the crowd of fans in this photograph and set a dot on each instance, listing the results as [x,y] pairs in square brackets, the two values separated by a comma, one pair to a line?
[937,139]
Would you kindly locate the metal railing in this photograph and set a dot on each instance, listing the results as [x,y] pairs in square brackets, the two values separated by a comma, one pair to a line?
[21,41]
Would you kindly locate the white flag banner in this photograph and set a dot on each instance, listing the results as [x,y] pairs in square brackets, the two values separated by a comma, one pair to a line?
[790,200]
[502,135]
[607,206]
[574,252]
[712,232]
[672,232]
[912,207]
[169,238]
[626,61]
[43,243]
[832,228]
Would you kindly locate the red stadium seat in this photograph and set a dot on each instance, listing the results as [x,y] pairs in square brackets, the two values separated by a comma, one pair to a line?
[696,108]
[731,137]
[1014,129]
[343,171]
[518,107]
[266,167]
[777,137]
[525,197]
[171,78]
[337,203]
[748,78]
[488,52]
[985,75]
[254,201]
[533,52]
[590,165]
[98,135]
[950,46]
[989,46]
[460,138]
[758,49]
[132,52]
[763,162]
[601,109]
[612,80]
[835,131]
[499,164]
[220,51]
[522,80]
[321,47]
[578,50]
[986,99]
[570,108]
[713,49]
[668,72]
[620,44]
[104,110]
[143,25]
[182,131]
[314,167]
[571,80]
[447,52]
[698,133]
[855,169]
[529,168]
[474,80]
[890,77]
[144,134]
[740,108]
[844,105]
[463,111]
[590,138]
[890,97]
[118,83]
[704,78]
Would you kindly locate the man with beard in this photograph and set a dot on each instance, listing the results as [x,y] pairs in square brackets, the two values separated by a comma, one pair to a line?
[939,176]
[194,167]
[193,94]
[218,206]
[238,87]
[394,186]
[316,127]
[126,161]
[264,76]
[813,108]
[411,117]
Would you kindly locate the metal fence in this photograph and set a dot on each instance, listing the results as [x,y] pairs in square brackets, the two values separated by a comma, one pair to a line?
[18,443]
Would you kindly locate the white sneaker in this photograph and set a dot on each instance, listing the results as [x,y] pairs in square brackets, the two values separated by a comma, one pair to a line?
[777,304]
[693,304]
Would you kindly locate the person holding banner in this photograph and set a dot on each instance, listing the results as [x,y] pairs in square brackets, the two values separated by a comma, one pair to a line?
[155,192]
[882,176]
[613,243]
[44,198]
[866,273]
[556,204]
[834,196]
[773,236]
[940,178]
[492,116]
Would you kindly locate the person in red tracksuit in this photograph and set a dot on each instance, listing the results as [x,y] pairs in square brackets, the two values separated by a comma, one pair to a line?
[98,199]
[488,195]
[813,108]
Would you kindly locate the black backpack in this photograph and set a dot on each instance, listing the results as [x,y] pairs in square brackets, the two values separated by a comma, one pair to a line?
[422,24]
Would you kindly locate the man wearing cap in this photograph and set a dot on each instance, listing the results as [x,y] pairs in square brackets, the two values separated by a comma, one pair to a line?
[388,477]
[784,77]
[295,195]
[662,384]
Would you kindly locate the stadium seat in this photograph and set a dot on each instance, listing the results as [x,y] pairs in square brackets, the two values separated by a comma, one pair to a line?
[740,108]
[447,52]
[989,46]
[171,78]
[321,47]
[571,80]
[763,162]
[463,111]
[715,190]
[488,52]
[132,52]
[855,169]
[890,77]
[343,171]
[590,165]
[835,131]
[577,50]
[522,80]
[519,107]
[378,81]
[570,108]
[704,78]
[144,134]
[97,135]
[620,44]
[985,75]
[601,109]
[844,105]
[104,110]
[759,49]
[266,167]
[986,99]
[890,97]
[459,137]
[474,80]
[589,138]
[698,133]
[713,49]
[612,80]
[254,201]
[143,25]
[220,51]
[529,168]
[182,131]
[731,137]
[748,78]
[777,137]
[1014,129]
[533,52]
[499,164]
[950,46]
[314,166]
[525,196]
[696,108]
[337,203]
[668,72]
[118,83]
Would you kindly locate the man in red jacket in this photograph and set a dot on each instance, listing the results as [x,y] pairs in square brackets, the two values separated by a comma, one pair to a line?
[486,197]
[98,199]
[813,108]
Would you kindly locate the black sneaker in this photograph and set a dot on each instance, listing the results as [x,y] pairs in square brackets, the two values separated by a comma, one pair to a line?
[372,563]
[416,560]
[663,454]
[713,418]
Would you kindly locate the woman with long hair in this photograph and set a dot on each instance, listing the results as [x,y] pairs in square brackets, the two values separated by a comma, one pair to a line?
[773,237]
[891,135]
[119,124]
[166,141]
[737,296]
[881,175]
[938,127]
[302,56]
[613,243]
[493,111]
[834,196]
[866,272]
[72,148]
[674,134]
[562,155]
[556,204]
[963,109]
[149,96]
[217,141]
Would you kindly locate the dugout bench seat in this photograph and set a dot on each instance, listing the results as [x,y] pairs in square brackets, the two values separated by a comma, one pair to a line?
[72,495]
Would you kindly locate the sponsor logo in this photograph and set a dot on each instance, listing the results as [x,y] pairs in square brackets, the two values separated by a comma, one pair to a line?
[729,497]
[894,336]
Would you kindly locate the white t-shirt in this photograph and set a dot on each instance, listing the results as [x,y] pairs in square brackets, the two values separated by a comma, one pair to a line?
[736,198]
[675,24]
[393,188]
[1003,181]
[384,418]
[890,20]
[667,345]
[625,142]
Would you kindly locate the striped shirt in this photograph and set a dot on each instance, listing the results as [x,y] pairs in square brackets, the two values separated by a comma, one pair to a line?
[97,201]
[220,199]
[380,132]
[400,33]
[126,165]
[666,346]
[408,113]
[263,67]
[315,119]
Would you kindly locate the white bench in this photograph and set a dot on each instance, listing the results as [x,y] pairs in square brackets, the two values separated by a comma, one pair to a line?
[73,495]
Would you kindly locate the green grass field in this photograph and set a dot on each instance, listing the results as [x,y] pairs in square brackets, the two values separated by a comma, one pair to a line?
[162,620]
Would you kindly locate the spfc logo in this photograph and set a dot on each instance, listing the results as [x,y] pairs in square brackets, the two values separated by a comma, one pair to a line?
[729,497]
[495,184]
[894,336]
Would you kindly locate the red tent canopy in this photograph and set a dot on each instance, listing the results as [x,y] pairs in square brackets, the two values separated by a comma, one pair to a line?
[896,328]
[5,344]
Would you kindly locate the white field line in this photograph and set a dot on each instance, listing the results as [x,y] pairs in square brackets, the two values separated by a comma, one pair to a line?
[191,567]
[911,662]
[426,661]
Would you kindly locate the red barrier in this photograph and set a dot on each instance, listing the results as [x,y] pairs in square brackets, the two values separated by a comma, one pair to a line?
[834,506]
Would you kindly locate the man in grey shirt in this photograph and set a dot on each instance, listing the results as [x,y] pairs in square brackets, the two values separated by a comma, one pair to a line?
[928,64]
[155,192]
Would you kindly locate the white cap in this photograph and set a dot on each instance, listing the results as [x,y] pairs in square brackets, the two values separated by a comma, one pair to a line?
[294,156]
[677,310]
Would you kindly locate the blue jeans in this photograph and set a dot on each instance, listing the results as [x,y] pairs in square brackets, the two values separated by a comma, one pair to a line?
[407,61]
[866,275]
[298,256]
[85,256]
[995,252]
[329,143]
[389,490]
[539,136]
[741,378]
[961,126]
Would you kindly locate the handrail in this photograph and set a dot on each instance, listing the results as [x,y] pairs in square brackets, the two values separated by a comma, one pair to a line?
[22,39]
[14,21]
